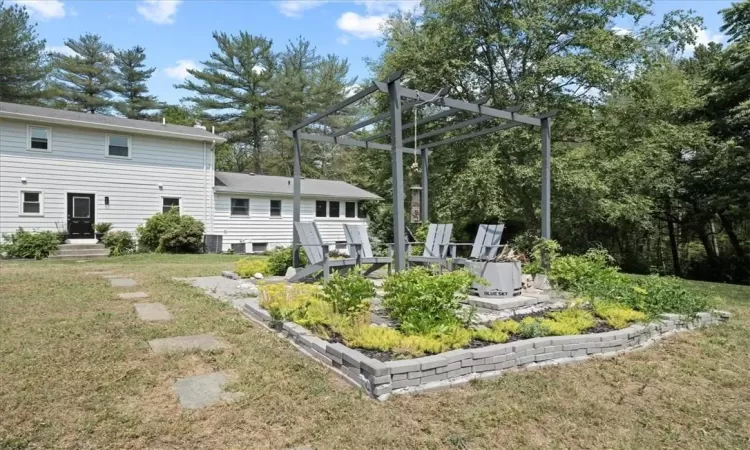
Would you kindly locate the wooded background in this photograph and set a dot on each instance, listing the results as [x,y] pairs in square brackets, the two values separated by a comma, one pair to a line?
[650,149]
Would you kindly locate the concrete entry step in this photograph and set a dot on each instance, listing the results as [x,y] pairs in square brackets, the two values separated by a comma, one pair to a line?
[187,343]
[72,247]
[81,256]
[152,312]
[204,390]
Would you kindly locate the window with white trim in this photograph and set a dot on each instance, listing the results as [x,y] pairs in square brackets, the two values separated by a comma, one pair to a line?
[350,209]
[361,211]
[321,208]
[167,203]
[240,207]
[31,203]
[259,247]
[40,139]
[275,208]
[118,146]
[333,209]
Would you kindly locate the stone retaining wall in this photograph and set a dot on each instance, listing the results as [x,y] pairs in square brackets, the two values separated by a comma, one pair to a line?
[454,368]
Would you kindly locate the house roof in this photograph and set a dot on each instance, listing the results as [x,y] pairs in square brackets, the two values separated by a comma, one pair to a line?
[243,183]
[98,121]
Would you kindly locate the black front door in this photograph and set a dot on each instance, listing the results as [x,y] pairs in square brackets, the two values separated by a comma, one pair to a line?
[81,216]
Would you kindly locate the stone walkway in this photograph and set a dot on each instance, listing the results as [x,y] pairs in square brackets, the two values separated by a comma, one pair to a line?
[204,390]
[152,312]
[192,392]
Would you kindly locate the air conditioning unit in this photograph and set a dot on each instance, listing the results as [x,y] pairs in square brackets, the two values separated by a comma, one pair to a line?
[212,243]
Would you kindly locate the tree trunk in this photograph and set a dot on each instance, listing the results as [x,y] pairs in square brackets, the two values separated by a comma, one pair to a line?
[673,240]
[733,239]
[706,241]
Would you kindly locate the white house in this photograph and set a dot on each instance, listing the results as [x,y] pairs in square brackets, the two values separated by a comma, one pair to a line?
[63,170]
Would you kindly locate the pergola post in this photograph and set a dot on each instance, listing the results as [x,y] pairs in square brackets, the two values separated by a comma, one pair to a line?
[296,216]
[425,212]
[546,191]
[397,164]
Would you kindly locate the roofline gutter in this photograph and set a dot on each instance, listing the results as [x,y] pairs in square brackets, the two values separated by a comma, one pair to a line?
[218,190]
[109,127]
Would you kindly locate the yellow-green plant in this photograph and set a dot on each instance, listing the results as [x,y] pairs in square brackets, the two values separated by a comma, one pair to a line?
[297,303]
[572,320]
[618,316]
[509,326]
[491,335]
[371,337]
[531,327]
[247,267]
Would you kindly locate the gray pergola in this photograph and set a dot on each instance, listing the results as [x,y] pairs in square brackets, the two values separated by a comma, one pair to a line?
[396,92]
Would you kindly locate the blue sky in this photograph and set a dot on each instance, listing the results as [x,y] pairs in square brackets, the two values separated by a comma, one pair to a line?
[177,34]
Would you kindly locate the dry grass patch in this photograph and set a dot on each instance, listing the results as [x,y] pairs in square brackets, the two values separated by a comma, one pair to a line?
[76,372]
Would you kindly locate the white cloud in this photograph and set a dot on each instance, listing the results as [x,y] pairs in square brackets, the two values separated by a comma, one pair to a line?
[44,9]
[705,37]
[180,70]
[60,49]
[371,23]
[377,7]
[161,12]
[363,27]
[295,8]
[621,31]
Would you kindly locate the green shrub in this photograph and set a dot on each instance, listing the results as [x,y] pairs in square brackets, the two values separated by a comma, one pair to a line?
[26,244]
[424,303]
[103,227]
[576,272]
[531,327]
[348,294]
[280,258]
[618,316]
[171,233]
[118,242]
[248,267]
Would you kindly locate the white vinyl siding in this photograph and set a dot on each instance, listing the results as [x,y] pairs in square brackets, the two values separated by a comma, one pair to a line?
[135,187]
[259,227]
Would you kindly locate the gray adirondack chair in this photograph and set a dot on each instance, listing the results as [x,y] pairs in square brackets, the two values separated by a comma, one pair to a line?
[485,246]
[359,246]
[317,254]
[436,246]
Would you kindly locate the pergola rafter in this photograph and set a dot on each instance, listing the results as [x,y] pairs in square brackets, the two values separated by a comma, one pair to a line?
[396,93]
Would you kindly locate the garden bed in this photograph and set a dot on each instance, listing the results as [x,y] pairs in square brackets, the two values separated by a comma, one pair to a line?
[457,367]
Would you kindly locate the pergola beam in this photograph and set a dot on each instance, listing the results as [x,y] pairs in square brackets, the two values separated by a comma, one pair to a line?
[466,106]
[428,119]
[455,126]
[375,119]
[340,105]
[345,141]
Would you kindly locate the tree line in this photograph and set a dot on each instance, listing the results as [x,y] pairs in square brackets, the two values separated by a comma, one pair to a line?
[650,148]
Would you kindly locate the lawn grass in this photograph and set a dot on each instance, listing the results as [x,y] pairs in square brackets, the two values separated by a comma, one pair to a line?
[76,372]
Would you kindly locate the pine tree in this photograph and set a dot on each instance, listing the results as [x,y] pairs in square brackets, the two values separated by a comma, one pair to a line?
[22,59]
[234,84]
[131,78]
[84,81]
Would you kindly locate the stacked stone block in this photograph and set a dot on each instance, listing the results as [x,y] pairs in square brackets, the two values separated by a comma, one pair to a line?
[381,379]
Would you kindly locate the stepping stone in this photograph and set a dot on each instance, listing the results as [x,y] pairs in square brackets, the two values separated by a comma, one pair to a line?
[132,295]
[204,390]
[152,312]
[187,343]
[122,282]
